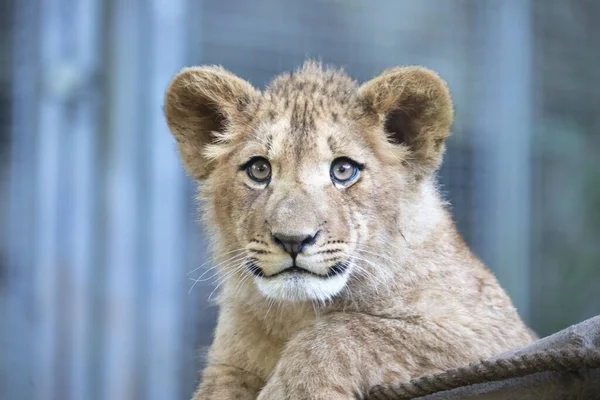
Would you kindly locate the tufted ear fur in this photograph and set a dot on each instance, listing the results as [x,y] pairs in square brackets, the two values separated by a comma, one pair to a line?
[415,107]
[200,103]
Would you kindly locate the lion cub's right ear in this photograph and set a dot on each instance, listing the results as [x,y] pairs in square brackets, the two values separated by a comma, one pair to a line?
[200,103]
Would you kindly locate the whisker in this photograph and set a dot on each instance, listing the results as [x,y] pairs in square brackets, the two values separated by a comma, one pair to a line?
[349,296]
[223,267]
[375,266]
[260,251]
[225,279]
[246,274]
[365,273]
[227,273]
[211,260]
[271,302]
[378,268]
[377,255]
[230,260]
[373,277]
[360,249]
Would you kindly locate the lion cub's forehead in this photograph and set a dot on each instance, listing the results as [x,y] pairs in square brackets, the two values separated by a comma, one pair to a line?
[310,94]
[312,78]
[282,140]
[305,120]
[309,137]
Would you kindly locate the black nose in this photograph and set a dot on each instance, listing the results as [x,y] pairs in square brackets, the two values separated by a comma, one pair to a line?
[294,244]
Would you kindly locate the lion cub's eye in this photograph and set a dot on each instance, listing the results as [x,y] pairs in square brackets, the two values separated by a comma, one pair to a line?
[344,170]
[259,169]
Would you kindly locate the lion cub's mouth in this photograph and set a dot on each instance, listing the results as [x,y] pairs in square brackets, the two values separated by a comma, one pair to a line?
[336,269]
[297,283]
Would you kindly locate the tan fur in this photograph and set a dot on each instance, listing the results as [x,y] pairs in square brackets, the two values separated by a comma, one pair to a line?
[414,300]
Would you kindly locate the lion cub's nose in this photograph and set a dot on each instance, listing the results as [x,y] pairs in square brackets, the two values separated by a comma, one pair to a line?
[294,244]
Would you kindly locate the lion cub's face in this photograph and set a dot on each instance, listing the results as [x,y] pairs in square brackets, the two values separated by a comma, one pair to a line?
[297,199]
[303,179]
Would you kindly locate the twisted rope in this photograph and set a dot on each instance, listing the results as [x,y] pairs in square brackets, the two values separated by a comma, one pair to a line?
[489,371]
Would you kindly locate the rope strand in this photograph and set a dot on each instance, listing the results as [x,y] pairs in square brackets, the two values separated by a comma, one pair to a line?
[489,371]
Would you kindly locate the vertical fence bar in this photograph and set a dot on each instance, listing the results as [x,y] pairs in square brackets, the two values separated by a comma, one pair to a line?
[22,307]
[503,123]
[125,92]
[50,126]
[84,150]
[167,211]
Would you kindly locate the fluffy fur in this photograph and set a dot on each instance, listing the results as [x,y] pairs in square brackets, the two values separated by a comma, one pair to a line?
[413,298]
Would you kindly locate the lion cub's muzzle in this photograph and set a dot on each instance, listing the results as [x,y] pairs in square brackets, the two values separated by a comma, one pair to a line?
[294,245]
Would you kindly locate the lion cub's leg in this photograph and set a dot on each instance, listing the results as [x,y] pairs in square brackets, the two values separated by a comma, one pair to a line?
[343,355]
[222,382]
[241,356]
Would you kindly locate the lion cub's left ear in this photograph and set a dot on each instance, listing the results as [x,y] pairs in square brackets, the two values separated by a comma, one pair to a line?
[415,108]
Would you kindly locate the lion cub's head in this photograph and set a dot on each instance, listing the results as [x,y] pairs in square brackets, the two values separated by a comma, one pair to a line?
[305,180]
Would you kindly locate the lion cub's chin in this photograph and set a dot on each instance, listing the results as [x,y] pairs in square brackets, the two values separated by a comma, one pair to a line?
[294,287]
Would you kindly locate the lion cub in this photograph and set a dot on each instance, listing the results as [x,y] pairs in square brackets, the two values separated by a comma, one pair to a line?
[342,267]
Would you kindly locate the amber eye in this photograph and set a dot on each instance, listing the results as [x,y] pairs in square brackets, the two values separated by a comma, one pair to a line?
[344,170]
[259,169]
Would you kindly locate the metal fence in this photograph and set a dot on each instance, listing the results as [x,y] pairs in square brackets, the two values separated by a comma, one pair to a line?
[98,228]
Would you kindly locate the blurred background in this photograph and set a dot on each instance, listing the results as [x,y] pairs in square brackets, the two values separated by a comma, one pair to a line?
[98,229]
